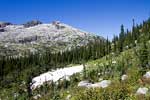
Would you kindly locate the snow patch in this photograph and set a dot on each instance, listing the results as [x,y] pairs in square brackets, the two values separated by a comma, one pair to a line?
[55,75]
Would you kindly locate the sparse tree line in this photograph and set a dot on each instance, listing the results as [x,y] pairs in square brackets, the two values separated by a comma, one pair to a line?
[138,37]
[128,39]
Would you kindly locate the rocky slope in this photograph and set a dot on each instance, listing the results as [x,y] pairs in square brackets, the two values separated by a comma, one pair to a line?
[37,37]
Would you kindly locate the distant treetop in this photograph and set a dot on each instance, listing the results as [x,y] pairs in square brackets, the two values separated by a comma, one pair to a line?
[32,23]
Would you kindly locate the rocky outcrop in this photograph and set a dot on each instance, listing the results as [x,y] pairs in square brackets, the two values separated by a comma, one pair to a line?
[58,25]
[2,30]
[28,39]
[32,23]
[4,24]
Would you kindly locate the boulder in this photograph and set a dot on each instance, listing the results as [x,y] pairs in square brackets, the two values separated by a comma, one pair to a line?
[84,84]
[142,91]
[146,78]
[124,77]
[147,75]
[105,83]
[102,84]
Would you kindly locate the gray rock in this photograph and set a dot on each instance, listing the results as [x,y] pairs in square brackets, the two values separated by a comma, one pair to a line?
[102,84]
[143,91]
[124,77]
[84,84]
[147,75]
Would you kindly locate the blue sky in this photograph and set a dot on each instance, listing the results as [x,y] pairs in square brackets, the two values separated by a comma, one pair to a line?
[102,17]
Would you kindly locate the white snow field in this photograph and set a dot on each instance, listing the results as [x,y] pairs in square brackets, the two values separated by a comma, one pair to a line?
[55,75]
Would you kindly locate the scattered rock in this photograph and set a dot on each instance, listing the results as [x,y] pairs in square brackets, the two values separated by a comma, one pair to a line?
[124,77]
[67,78]
[16,95]
[147,75]
[6,46]
[100,79]
[146,78]
[105,83]
[114,62]
[37,96]
[127,47]
[142,91]
[68,97]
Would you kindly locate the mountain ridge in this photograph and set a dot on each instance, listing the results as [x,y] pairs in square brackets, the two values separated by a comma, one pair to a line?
[56,36]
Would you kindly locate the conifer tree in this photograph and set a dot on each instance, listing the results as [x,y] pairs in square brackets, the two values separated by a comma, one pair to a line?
[121,39]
